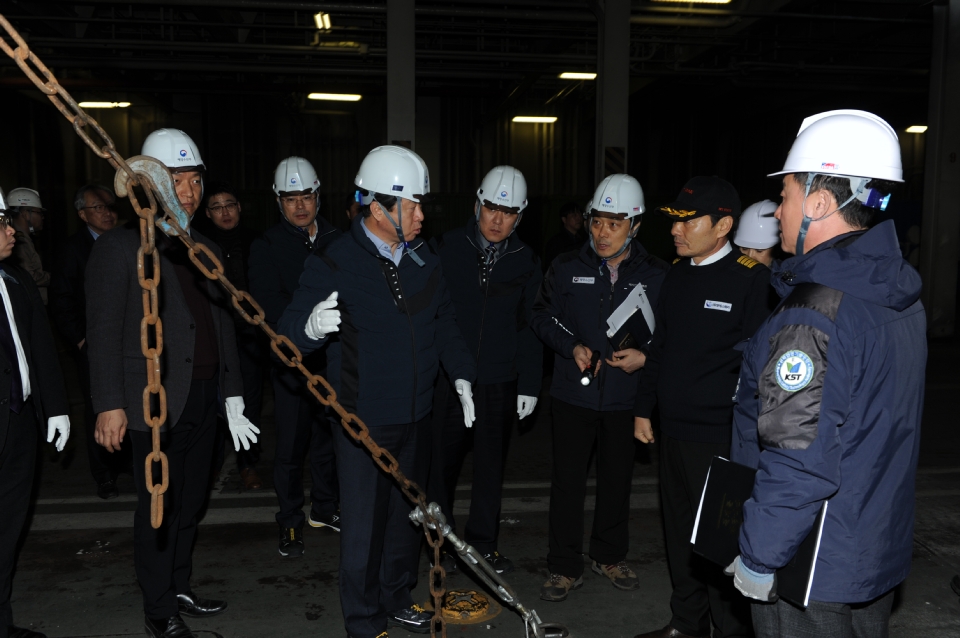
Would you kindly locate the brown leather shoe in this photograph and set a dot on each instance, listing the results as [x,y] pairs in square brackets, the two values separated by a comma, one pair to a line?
[668,632]
[251,480]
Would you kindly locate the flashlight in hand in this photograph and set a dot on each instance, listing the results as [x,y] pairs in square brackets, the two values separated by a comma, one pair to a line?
[587,377]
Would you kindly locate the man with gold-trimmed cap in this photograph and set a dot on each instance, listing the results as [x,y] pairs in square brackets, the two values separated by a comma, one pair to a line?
[712,301]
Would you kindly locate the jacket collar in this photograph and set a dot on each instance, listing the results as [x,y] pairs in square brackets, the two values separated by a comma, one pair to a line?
[323,228]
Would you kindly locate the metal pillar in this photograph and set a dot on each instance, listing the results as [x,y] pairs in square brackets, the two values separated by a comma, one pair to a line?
[401,69]
[940,235]
[613,91]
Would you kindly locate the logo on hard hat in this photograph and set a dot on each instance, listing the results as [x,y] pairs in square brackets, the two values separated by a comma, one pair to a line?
[183,153]
[293,180]
[503,194]
[608,200]
[830,166]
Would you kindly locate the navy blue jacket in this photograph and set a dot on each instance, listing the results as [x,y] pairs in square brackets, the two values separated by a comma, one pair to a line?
[397,323]
[494,307]
[573,305]
[276,263]
[829,407]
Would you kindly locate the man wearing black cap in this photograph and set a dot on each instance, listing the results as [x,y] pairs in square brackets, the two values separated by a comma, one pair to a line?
[712,301]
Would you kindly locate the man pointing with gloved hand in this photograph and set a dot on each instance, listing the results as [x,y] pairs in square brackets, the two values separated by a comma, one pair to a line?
[377,299]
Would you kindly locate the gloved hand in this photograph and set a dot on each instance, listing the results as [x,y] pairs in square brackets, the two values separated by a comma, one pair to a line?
[241,429]
[465,390]
[324,319]
[525,405]
[762,587]
[59,424]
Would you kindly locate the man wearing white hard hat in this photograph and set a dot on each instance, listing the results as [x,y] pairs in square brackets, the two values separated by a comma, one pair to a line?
[27,214]
[831,391]
[493,278]
[276,263]
[200,369]
[376,300]
[758,232]
[31,393]
[596,303]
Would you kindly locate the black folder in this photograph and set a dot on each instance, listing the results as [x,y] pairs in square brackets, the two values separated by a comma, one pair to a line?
[716,532]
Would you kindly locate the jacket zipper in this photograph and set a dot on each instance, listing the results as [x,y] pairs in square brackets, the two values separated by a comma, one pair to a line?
[486,289]
[603,368]
[413,350]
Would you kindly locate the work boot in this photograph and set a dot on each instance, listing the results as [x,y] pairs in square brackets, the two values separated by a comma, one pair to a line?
[414,619]
[108,489]
[291,541]
[499,562]
[558,587]
[619,574]
[330,523]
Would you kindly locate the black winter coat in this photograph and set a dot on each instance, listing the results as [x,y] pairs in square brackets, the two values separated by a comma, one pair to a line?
[68,298]
[397,324]
[575,300]
[494,307]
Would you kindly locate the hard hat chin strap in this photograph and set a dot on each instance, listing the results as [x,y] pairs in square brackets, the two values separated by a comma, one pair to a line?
[398,226]
[805,224]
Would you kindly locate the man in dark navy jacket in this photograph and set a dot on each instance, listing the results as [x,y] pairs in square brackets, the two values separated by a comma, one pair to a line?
[580,292]
[276,263]
[376,297]
[831,391]
[493,279]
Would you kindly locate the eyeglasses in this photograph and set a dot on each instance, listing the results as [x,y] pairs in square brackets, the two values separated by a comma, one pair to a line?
[230,207]
[99,209]
[293,200]
[4,222]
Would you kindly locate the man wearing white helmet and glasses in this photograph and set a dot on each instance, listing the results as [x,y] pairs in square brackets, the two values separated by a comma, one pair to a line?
[596,302]
[758,232]
[27,215]
[831,390]
[493,278]
[276,263]
[376,299]
[200,369]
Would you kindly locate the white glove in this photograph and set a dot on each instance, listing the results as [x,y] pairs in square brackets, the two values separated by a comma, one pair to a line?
[465,390]
[324,319]
[240,427]
[525,405]
[59,424]
[762,587]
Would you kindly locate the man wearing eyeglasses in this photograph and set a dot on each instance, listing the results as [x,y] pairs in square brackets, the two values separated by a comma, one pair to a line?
[68,307]
[276,263]
[27,214]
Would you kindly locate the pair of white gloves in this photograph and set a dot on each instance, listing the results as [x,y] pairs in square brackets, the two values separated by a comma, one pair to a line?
[325,318]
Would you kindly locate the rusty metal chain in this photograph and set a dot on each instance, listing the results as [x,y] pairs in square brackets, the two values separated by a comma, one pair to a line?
[148,275]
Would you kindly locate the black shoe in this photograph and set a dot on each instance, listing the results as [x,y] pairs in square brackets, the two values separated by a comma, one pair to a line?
[448,562]
[414,619]
[108,489]
[955,585]
[191,605]
[172,627]
[499,562]
[291,541]
[331,522]
[23,632]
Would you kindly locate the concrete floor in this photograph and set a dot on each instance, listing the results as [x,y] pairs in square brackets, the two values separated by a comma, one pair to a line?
[75,576]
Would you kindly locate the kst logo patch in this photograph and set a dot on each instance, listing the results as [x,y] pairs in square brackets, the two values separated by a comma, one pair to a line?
[717,305]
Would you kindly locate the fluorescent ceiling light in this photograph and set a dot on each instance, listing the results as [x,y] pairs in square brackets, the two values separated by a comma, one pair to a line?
[104,105]
[534,119]
[335,97]
[570,75]
[322,20]
[917,129]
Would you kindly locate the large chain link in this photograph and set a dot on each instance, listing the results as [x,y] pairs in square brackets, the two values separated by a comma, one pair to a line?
[148,274]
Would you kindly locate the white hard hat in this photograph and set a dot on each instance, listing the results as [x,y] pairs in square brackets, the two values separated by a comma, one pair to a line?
[295,174]
[618,194]
[504,186]
[24,197]
[845,143]
[758,228]
[3,203]
[174,149]
[394,170]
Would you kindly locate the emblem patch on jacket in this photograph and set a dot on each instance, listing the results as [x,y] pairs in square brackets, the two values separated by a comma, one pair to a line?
[583,280]
[717,305]
[794,370]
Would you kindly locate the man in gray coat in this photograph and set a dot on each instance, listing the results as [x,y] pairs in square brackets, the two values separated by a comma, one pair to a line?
[199,363]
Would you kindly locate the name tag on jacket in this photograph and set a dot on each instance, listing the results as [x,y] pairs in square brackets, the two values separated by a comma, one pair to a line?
[717,305]
[583,280]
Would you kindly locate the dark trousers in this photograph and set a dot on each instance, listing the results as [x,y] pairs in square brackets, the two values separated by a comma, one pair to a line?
[824,620]
[379,546]
[18,456]
[576,431]
[700,590]
[104,466]
[163,557]
[496,405]
[301,421]
[252,360]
